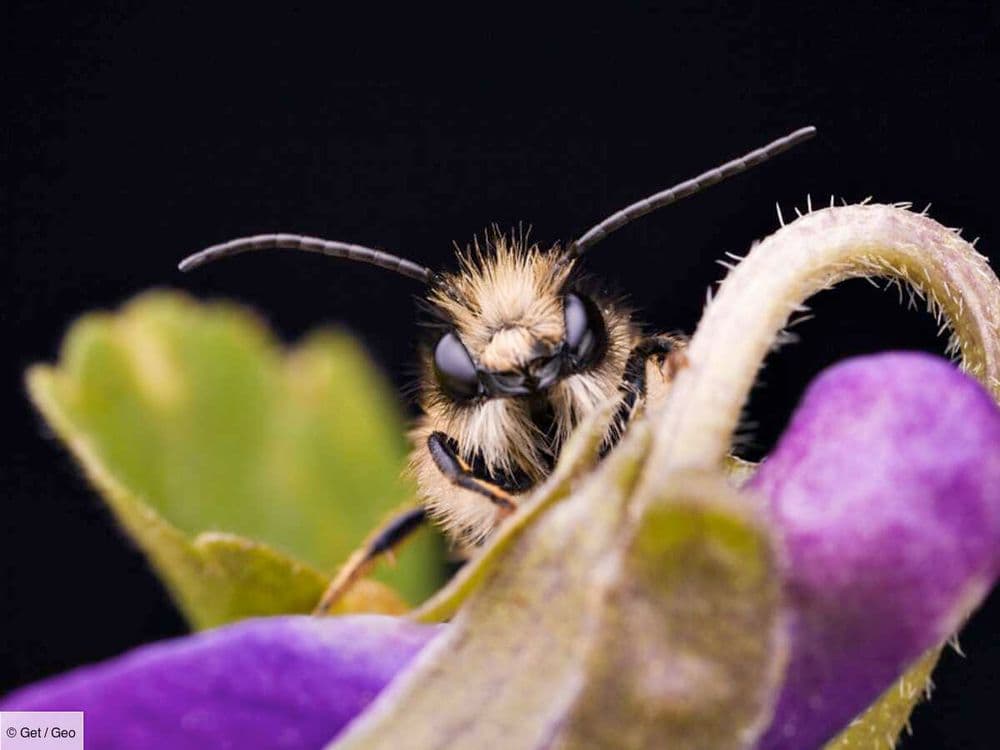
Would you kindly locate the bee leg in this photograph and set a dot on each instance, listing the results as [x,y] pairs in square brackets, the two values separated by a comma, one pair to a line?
[669,351]
[382,542]
[459,473]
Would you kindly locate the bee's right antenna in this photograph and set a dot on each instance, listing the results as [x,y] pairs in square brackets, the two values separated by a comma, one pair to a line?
[314,245]
[684,189]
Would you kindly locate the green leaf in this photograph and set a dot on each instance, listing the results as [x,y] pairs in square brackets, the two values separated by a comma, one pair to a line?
[191,419]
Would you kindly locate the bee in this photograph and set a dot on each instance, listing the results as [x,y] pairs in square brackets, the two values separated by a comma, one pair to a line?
[523,350]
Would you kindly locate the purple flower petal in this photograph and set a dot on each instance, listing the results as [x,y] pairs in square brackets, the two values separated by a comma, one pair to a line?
[279,682]
[886,488]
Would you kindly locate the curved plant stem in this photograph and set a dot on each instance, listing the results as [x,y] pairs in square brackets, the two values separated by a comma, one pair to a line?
[754,304]
[755,301]
[884,721]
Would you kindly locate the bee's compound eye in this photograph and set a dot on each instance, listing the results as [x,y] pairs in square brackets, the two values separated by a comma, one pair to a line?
[586,337]
[454,368]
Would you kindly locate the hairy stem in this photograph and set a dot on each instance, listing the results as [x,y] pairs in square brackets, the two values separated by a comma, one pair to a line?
[754,304]
[756,300]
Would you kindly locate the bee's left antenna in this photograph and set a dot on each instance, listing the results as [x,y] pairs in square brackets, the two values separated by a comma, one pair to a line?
[689,187]
[311,245]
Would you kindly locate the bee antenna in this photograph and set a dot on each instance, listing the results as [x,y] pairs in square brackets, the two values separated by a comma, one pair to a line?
[688,187]
[311,245]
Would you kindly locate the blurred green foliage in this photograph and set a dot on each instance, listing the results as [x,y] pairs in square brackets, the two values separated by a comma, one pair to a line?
[191,418]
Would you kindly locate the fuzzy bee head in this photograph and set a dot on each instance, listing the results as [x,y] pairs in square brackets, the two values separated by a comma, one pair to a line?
[514,322]
[520,352]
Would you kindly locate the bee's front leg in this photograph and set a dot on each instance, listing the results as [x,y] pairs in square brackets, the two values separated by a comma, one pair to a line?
[382,542]
[459,473]
[668,353]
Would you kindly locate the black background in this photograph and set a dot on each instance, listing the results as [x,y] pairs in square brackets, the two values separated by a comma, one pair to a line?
[141,131]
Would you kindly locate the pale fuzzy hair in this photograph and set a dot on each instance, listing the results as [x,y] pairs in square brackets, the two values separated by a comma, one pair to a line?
[503,291]
[507,297]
